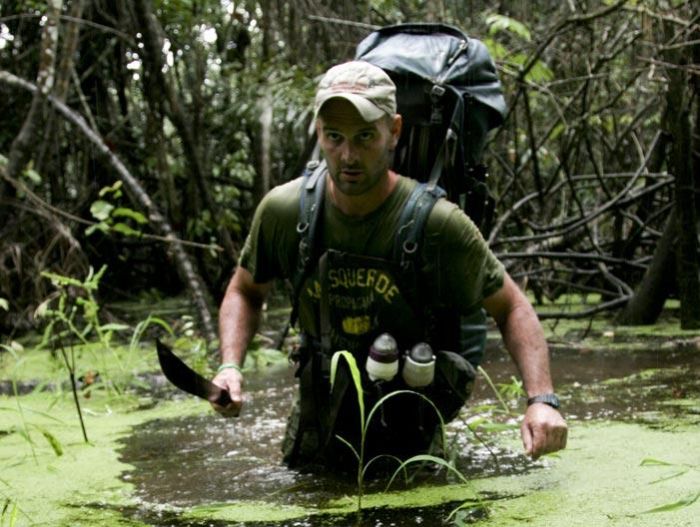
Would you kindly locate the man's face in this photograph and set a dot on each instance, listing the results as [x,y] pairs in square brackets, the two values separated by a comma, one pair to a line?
[358,153]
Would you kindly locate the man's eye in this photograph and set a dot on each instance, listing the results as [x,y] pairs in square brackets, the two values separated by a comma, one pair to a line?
[332,136]
[366,136]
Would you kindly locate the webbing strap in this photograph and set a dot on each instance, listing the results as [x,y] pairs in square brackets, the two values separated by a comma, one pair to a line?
[412,223]
[448,148]
[324,306]
[310,212]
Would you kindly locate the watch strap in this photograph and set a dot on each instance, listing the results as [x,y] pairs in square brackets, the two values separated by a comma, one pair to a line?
[545,398]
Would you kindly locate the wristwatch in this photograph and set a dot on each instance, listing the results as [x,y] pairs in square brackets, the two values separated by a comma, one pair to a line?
[546,398]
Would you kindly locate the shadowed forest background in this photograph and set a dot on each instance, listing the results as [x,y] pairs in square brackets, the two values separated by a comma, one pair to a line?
[141,134]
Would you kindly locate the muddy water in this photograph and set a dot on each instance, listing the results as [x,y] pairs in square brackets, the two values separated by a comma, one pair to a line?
[195,460]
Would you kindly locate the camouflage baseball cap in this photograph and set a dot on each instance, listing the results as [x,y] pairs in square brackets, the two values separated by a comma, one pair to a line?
[365,85]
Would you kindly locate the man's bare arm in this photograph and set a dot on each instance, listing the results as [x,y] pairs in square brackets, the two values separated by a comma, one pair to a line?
[543,429]
[239,316]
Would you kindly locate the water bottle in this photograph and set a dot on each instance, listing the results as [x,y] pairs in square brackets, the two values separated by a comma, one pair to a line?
[383,359]
[419,366]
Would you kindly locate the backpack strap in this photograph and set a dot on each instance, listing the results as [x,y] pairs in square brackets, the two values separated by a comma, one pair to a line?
[310,212]
[412,223]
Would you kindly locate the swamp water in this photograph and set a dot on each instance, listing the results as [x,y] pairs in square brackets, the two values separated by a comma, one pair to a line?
[632,404]
[623,408]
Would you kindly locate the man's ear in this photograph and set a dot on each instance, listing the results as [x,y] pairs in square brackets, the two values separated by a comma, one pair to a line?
[396,125]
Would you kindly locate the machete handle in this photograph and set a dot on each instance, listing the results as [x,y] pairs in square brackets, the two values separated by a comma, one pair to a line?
[220,397]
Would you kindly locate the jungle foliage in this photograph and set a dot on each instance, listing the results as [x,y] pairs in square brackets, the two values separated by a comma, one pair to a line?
[141,134]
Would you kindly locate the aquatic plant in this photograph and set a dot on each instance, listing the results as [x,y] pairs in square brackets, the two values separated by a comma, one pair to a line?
[9,511]
[679,470]
[362,467]
[24,430]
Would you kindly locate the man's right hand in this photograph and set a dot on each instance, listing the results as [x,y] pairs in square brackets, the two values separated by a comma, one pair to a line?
[231,380]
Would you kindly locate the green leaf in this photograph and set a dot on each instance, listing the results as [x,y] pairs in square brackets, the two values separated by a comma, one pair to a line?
[112,189]
[4,304]
[101,226]
[498,23]
[680,504]
[497,50]
[650,461]
[58,279]
[101,210]
[32,175]
[124,229]
[356,378]
[52,440]
[114,327]
[539,73]
[129,213]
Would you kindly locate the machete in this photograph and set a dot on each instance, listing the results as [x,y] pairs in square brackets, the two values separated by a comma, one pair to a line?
[188,380]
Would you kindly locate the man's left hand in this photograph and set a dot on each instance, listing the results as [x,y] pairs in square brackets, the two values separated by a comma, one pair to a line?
[543,430]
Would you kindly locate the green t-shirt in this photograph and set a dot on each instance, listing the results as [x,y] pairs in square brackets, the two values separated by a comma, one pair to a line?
[456,262]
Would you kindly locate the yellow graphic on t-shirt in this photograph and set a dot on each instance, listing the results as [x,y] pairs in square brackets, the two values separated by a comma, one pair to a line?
[363,278]
[356,325]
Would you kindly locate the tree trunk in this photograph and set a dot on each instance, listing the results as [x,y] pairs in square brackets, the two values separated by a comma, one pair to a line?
[25,142]
[649,298]
[688,268]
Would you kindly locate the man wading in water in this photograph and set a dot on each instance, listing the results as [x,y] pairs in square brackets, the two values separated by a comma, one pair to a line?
[353,295]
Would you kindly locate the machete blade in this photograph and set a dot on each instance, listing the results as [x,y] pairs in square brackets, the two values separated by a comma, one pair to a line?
[188,380]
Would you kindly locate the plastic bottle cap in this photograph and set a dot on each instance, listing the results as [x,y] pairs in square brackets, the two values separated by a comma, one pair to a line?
[422,353]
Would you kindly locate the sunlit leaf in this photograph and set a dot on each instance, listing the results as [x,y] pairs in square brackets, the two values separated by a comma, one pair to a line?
[4,304]
[129,213]
[540,73]
[112,189]
[101,210]
[58,279]
[498,23]
[32,175]
[497,50]
[124,229]
[356,378]
[101,226]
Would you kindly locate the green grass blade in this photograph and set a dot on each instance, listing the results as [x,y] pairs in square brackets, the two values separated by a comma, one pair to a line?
[52,440]
[380,456]
[672,476]
[495,390]
[430,459]
[142,326]
[680,504]
[356,377]
[651,462]
[349,445]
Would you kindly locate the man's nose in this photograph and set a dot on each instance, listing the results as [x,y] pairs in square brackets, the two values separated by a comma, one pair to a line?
[348,153]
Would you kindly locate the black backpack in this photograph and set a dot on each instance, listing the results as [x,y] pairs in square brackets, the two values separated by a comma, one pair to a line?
[449,95]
